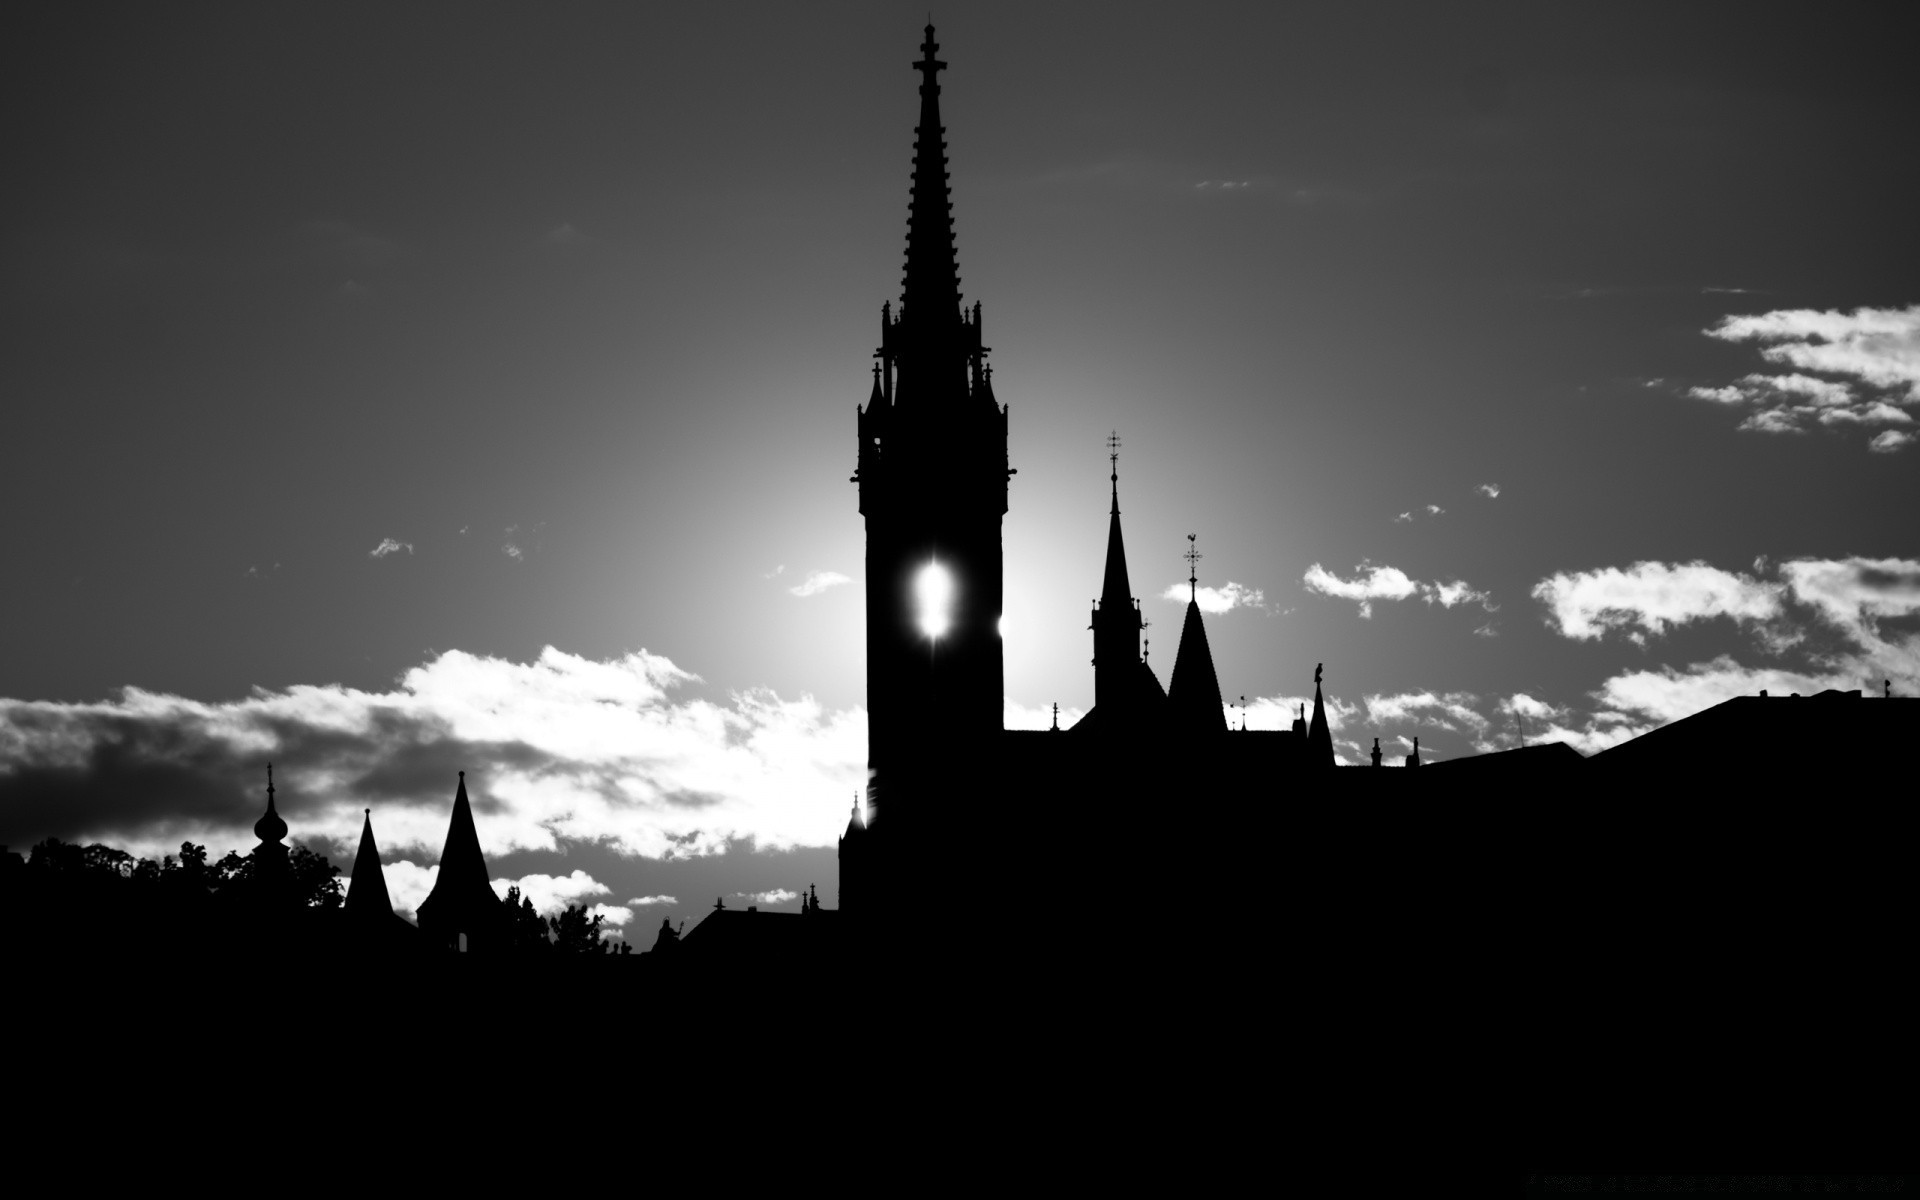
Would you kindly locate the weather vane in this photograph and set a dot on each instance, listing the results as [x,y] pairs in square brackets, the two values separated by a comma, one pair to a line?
[1193,557]
[1113,452]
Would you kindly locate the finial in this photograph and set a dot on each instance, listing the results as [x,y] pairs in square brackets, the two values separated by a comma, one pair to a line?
[463,777]
[1193,557]
[369,813]
[269,785]
[1243,714]
[1316,673]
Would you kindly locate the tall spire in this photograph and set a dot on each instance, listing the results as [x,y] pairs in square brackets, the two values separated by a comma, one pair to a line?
[1114,589]
[931,290]
[367,887]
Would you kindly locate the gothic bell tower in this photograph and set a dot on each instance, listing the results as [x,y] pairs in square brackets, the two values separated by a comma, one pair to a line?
[933,489]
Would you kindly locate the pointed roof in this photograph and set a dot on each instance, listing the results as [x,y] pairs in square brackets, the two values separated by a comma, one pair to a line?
[462,882]
[1319,737]
[367,887]
[931,288]
[1194,693]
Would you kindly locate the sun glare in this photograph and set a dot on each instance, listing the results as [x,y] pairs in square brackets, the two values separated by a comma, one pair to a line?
[934,590]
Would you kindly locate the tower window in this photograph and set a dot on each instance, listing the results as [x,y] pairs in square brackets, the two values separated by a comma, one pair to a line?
[933,589]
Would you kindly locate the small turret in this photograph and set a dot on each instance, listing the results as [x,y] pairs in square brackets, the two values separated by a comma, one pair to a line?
[1376,752]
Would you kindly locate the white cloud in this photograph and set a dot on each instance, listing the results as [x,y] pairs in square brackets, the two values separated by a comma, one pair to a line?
[1878,346]
[1403,517]
[776,896]
[1451,711]
[612,914]
[549,893]
[1719,395]
[1390,583]
[650,901]
[1217,600]
[1434,510]
[1887,441]
[1278,712]
[817,582]
[559,749]
[389,546]
[1831,612]
[1489,490]
[1820,391]
[1872,348]
[408,883]
[1651,597]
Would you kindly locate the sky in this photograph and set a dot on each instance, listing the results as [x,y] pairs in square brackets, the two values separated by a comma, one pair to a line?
[395,390]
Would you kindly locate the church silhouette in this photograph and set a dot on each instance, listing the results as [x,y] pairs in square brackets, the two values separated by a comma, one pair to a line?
[976,843]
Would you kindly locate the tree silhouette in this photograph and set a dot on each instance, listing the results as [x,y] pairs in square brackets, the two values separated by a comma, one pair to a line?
[574,932]
[526,931]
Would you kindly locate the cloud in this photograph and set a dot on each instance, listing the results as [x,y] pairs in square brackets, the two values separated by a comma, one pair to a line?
[1887,441]
[776,896]
[1489,490]
[650,901]
[551,893]
[1719,395]
[1434,510]
[1878,346]
[817,582]
[517,541]
[1403,517]
[560,749]
[1651,597]
[1390,583]
[776,572]
[1452,711]
[1217,600]
[389,546]
[1820,391]
[1831,614]
[408,883]
[612,914]
[1875,350]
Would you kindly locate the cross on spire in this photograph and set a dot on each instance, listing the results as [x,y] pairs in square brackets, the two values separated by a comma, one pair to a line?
[1193,557]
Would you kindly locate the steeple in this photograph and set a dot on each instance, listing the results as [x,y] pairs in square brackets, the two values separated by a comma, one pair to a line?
[1117,623]
[1319,738]
[1114,588]
[1193,695]
[931,289]
[461,912]
[367,888]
